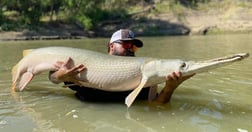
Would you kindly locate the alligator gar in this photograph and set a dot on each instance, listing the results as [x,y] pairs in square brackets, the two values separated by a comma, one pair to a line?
[111,73]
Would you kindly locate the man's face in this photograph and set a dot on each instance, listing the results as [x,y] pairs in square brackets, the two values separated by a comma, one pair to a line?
[124,48]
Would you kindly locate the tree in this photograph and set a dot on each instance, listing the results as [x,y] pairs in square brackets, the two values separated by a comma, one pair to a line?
[31,11]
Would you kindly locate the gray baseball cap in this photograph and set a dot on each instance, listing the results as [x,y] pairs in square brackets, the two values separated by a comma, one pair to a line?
[125,35]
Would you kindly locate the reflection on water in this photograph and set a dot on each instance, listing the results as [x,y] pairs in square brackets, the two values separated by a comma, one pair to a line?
[216,101]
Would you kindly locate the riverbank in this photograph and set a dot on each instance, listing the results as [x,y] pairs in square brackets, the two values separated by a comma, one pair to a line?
[227,18]
[212,18]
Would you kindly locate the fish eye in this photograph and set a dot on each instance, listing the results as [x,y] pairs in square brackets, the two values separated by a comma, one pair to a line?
[183,65]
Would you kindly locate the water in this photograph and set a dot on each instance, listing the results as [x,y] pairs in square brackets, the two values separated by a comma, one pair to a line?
[217,101]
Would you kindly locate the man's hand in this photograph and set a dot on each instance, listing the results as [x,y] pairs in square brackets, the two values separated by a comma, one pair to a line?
[175,79]
[67,72]
[172,82]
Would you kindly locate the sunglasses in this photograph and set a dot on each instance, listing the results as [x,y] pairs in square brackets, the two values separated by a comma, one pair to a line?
[127,45]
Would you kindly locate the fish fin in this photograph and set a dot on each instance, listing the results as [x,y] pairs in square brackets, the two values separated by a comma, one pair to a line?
[13,86]
[14,76]
[14,71]
[25,79]
[69,63]
[132,96]
[26,52]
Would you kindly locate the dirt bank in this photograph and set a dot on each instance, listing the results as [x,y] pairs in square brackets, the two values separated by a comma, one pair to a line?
[191,22]
[234,19]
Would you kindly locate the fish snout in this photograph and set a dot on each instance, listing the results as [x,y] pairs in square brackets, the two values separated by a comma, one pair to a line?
[242,56]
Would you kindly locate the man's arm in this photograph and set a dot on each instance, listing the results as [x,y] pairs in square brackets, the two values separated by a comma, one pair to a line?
[172,82]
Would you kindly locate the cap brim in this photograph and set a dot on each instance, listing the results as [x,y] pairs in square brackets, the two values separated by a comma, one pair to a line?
[136,42]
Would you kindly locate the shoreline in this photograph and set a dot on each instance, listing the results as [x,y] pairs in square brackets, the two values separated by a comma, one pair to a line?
[58,37]
[235,20]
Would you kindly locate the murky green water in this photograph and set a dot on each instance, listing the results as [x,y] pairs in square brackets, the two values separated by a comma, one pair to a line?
[217,101]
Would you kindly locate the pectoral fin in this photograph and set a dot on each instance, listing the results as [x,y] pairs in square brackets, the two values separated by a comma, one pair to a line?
[132,96]
[25,79]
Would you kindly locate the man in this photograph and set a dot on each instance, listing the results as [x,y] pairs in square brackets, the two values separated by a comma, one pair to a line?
[122,43]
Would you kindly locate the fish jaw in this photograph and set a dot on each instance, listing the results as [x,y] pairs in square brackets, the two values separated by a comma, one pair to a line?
[191,67]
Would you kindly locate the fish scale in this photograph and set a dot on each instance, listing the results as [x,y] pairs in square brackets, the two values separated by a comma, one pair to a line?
[111,73]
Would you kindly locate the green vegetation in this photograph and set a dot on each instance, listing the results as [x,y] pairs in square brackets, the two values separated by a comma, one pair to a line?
[16,14]
[19,14]
[89,14]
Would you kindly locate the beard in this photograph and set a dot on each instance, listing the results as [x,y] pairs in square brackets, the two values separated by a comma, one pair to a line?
[126,53]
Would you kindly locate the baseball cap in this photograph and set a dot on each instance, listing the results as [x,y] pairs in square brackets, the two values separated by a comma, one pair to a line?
[125,35]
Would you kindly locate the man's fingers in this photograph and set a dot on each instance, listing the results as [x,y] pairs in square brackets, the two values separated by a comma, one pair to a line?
[81,66]
[77,69]
[178,74]
[168,77]
[174,76]
[82,69]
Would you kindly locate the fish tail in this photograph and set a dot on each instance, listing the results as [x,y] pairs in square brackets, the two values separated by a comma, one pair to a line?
[14,77]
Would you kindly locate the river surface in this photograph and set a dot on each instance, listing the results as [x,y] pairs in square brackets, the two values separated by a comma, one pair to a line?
[216,101]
